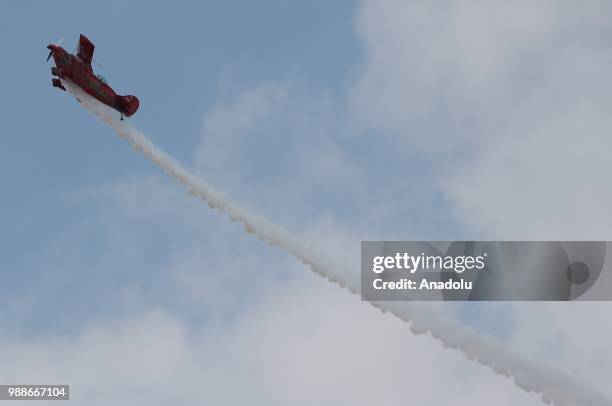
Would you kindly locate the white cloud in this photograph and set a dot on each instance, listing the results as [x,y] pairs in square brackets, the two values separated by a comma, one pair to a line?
[277,147]
[509,103]
[307,344]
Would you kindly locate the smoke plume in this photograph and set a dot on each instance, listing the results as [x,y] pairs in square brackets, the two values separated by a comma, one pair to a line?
[553,387]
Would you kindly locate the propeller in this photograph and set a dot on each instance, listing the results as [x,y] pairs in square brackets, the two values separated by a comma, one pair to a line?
[51,52]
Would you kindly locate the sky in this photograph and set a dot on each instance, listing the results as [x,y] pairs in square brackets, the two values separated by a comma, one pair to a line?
[340,121]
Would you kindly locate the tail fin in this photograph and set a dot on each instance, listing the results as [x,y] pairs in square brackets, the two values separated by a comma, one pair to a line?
[128,105]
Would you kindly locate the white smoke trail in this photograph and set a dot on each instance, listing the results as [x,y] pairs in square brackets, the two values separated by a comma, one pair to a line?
[553,387]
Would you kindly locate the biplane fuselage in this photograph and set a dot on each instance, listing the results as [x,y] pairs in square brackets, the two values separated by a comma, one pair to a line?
[77,69]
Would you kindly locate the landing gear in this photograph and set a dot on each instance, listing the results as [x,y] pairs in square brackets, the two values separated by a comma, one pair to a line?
[58,83]
[122,117]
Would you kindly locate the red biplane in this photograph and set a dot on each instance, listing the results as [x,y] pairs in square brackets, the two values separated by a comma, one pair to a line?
[77,69]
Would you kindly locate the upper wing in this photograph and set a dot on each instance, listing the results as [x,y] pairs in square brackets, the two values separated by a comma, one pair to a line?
[86,49]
